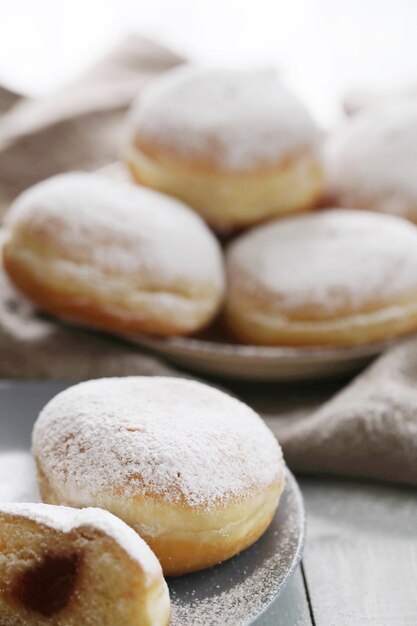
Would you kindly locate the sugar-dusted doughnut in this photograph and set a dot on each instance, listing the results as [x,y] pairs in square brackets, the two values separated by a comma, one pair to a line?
[371,161]
[338,277]
[194,471]
[234,145]
[113,255]
[67,567]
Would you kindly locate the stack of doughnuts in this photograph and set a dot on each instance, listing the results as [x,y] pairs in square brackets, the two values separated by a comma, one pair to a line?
[215,151]
[194,472]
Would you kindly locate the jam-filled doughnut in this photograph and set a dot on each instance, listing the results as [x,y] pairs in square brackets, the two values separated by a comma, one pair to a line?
[337,277]
[371,160]
[110,254]
[69,567]
[194,471]
[234,145]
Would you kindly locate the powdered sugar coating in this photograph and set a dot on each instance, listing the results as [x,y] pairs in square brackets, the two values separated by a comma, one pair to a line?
[372,160]
[121,228]
[65,519]
[177,439]
[333,260]
[244,119]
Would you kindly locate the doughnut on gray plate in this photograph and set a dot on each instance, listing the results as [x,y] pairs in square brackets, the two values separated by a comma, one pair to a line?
[240,592]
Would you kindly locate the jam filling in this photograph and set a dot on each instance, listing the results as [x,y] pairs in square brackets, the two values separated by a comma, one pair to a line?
[47,587]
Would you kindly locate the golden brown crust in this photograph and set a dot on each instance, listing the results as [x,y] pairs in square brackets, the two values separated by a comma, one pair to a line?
[370,326]
[230,201]
[198,540]
[57,302]
[184,556]
[170,157]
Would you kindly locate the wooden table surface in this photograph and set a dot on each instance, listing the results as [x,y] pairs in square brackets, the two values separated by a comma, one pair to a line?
[360,561]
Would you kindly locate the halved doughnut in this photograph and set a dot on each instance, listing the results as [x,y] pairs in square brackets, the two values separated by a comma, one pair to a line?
[67,567]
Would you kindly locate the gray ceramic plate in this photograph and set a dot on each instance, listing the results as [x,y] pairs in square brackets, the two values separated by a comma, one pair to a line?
[229,360]
[240,592]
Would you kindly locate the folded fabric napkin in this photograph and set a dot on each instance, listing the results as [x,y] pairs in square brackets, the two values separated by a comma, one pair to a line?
[368,429]
[80,127]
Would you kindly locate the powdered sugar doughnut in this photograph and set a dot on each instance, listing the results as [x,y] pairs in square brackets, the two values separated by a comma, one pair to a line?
[65,566]
[194,471]
[372,160]
[338,277]
[234,145]
[113,255]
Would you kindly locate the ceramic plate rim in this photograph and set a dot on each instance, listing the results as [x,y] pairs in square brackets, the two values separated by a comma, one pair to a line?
[195,344]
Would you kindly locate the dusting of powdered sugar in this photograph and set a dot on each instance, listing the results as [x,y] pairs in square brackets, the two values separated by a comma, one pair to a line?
[333,260]
[65,519]
[242,118]
[372,160]
[373,418]
[175,438]
[119,227]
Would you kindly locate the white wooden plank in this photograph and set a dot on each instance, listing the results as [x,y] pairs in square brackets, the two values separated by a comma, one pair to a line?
[361,555]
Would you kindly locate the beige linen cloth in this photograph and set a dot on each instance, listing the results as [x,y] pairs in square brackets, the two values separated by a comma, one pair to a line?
[367,429]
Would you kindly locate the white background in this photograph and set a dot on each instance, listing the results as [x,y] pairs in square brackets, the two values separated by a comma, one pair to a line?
[323,47]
